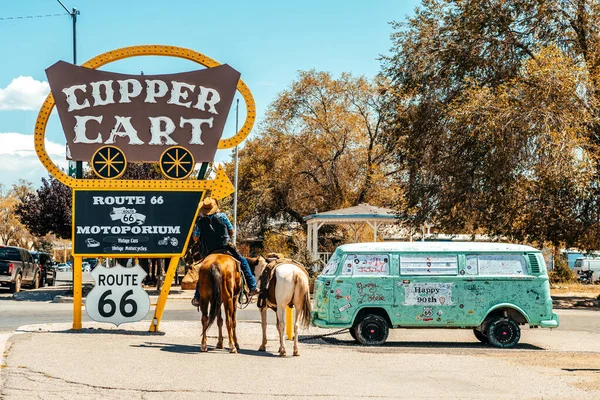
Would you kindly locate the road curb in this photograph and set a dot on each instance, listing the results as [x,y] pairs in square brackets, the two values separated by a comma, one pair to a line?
[153,297]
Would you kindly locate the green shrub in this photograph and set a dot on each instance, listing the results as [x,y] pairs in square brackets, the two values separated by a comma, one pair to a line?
[561,272]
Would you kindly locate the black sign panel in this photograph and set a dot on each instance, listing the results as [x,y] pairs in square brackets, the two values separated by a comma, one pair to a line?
[132,222]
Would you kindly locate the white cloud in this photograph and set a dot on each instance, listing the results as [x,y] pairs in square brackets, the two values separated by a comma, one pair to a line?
[18,159]
[23,93]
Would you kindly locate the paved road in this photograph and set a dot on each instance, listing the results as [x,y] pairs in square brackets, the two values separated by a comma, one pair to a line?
[14,314]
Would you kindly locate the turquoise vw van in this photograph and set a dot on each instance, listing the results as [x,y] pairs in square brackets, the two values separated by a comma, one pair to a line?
[488,287]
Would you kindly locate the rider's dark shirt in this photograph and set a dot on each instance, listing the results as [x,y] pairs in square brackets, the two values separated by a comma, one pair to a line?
[213,231]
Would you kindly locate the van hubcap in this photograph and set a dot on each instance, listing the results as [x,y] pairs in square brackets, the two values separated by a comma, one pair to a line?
[372,332]
[504,333]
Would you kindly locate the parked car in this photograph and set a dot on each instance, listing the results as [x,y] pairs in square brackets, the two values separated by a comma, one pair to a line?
[47,271]
[588,269]
[62,267]
[86,267]
[18,268]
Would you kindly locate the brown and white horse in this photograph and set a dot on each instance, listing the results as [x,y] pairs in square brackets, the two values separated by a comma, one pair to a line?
[219,282]
[283,283]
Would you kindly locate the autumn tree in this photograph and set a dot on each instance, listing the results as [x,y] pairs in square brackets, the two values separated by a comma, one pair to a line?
[320,147]
[495,104]
[12,231]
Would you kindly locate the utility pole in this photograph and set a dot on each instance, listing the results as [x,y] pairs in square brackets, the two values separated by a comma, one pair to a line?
[78,165]
[74,13]
[235,176]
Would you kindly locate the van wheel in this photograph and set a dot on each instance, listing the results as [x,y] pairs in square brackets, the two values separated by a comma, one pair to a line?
[480,336]
[352,331]
[15,287]
[372,330]
[503,332]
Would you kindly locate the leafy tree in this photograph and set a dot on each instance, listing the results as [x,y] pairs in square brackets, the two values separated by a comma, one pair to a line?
[496,106]
[320,147]
[45,244]
[47,210]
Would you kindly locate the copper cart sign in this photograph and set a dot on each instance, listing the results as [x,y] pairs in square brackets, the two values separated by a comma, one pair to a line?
[110,120]
[142,114]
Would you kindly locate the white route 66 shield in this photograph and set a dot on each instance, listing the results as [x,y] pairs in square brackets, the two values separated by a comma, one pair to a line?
[118,296]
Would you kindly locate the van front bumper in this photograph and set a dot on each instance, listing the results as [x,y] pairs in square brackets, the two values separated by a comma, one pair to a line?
[551,323]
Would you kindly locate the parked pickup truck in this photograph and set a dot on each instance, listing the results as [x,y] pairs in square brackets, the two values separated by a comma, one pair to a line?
[18,268]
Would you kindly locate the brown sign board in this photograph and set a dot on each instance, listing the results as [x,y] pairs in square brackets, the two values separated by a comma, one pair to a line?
[143,115]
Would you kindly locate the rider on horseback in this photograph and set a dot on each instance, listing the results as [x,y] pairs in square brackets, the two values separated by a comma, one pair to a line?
[213,231]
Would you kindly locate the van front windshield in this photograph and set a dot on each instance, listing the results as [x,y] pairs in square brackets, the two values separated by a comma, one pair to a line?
[332,264]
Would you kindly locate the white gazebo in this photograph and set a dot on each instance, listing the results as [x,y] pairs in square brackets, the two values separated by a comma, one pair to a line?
[355,217]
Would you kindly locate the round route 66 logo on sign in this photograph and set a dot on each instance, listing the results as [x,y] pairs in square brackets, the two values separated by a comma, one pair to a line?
[118,296]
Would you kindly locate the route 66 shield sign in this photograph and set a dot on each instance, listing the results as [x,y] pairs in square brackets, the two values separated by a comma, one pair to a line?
[118,296]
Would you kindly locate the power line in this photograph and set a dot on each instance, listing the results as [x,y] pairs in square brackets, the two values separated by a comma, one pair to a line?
[32,16]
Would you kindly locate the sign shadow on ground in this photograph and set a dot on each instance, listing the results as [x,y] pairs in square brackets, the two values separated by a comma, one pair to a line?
[100,331]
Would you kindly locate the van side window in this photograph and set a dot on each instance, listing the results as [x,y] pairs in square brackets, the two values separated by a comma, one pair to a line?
[471,266]
[498,264]
[428,265]
[366,264]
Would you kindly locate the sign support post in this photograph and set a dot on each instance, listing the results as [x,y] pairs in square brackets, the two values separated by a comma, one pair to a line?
[164,294]
[289,322]
[77,289]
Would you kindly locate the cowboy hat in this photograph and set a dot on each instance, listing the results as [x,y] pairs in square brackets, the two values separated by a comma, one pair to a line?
[209,206]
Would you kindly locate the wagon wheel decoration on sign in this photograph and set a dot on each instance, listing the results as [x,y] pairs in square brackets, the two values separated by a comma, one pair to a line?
[177,163]
[109,162]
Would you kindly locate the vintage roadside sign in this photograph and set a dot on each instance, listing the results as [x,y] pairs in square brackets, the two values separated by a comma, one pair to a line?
[127,221]
[142,114]
[118,296]
[133,222]
[110,120]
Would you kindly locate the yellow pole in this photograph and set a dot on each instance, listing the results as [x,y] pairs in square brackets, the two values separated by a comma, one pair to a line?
[289,322]
[162,300]
[76,292]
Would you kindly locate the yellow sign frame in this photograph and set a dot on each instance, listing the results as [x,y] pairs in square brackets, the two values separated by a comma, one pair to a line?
[220,187]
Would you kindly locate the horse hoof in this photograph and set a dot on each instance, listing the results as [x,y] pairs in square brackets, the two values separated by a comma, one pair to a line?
[204,349]
[296,353]
[219,345]
[282,354]
[262,348]
[233,350]
[237,346]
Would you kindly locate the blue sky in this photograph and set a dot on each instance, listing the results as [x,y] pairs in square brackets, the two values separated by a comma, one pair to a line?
[267,41]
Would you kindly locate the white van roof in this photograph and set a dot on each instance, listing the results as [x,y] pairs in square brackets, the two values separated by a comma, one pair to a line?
[437,247]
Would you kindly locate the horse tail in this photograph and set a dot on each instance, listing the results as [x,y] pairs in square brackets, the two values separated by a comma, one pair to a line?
[215,300]
[304,314]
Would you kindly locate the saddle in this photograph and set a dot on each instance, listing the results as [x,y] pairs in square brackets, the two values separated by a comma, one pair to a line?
[268,282]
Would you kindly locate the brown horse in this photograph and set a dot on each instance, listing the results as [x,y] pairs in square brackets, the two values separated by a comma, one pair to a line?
[283,283]
[219,282]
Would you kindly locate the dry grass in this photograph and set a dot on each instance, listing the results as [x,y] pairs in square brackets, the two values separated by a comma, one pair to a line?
[575,289]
